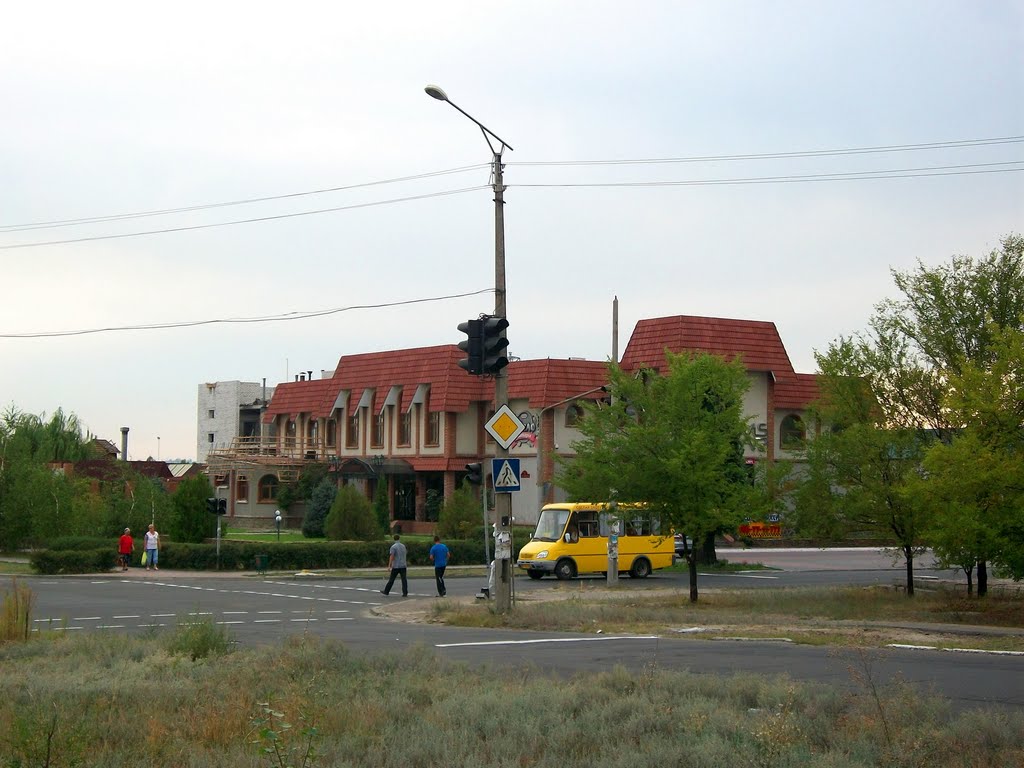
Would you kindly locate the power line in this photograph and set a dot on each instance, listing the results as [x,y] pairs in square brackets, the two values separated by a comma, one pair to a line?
[246,201]
[961,144]
[896,173]
[241,320]
[244,221]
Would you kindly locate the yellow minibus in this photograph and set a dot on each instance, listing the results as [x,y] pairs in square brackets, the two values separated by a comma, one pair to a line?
[572,539]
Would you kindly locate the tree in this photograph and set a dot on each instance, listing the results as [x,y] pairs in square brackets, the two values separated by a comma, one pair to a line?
[36,499]
[672,442]
[862,467]
[381,505]
[351,517]
[460,516]
[192,521]
[317,508]
[977,480]
[885,395]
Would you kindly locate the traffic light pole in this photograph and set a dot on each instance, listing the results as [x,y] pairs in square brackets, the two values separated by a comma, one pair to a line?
[502,501]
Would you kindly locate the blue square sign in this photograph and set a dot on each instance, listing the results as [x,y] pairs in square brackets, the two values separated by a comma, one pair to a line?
[505,474]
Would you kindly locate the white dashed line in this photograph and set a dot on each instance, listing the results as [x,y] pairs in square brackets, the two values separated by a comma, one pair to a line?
[547,640]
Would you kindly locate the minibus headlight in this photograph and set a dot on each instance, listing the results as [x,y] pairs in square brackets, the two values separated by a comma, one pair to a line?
[542,554]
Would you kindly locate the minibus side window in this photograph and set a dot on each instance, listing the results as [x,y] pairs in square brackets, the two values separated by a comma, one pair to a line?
[587,524]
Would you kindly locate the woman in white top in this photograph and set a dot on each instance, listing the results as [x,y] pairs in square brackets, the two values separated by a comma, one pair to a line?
[152,547]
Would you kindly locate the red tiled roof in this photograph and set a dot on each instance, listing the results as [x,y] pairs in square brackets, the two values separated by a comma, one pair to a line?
[796,392]
[757,342]
[541,382]
[295,397]
[451,388]
[546,382]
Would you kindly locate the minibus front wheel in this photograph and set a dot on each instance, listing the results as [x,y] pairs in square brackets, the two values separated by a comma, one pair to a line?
[641,568]
[535,573]
[565,569]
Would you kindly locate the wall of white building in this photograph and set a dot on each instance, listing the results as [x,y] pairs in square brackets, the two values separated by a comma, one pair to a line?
[217,416]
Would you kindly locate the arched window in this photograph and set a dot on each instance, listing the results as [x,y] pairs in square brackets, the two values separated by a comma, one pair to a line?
[573,415]
[268,488]
[792,433]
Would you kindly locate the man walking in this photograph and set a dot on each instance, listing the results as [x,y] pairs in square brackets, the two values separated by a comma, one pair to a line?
[397,565]
[439,557]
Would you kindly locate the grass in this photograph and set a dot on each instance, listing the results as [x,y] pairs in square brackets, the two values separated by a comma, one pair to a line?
[8,568]
[819,616]
[117,700]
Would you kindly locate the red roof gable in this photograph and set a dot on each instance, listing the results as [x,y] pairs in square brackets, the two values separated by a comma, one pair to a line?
[546,382]
[451,388]
[295,397]
[797,392]
[757,342]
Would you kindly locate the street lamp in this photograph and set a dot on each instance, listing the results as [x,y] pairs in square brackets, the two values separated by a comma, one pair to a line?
[277,520]
[502,501]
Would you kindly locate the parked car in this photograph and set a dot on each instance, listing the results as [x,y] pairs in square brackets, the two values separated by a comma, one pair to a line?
[680,539]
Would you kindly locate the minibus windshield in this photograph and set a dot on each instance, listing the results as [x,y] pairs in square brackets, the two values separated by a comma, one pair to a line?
[551,524]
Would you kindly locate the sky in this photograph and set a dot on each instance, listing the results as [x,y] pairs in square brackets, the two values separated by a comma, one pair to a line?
[114,109]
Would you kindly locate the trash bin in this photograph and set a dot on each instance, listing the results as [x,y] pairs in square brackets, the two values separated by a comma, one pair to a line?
[261,564]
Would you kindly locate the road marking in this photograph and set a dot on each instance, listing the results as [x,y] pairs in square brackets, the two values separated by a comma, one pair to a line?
[548,640]
[339,618]
[234,613]
[161,615]
[303,619]
[907,647]
[229,622]
[87,618]
[266,621]
[269,612]
[110,626]
[740,575]
[130,616]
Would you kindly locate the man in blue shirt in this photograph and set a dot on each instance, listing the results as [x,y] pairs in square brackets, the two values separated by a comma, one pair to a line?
[439,557]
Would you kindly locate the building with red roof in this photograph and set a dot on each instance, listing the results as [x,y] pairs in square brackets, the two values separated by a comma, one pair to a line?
[413,419]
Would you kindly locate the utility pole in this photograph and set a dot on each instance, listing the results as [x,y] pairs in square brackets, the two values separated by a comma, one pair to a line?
[502,501]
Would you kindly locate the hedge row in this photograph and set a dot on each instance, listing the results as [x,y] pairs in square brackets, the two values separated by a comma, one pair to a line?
[242,556]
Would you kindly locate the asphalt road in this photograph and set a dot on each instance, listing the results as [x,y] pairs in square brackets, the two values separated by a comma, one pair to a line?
[265,610]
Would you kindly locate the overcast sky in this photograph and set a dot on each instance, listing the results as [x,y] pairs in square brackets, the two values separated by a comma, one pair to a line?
[122,108]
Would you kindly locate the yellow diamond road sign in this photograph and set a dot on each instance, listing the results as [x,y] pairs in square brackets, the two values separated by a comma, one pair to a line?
[504,426]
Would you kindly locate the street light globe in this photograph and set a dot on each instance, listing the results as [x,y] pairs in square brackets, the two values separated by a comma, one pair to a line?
[436,92]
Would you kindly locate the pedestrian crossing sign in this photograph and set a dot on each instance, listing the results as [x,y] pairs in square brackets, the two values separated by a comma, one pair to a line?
[506,475]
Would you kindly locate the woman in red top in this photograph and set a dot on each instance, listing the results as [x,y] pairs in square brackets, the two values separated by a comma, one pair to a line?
[125,547]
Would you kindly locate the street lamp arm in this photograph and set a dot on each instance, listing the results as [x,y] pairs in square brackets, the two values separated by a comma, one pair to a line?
[540,438]
[440,95]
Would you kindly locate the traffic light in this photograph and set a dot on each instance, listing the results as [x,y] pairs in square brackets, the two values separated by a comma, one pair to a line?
[222,506]
[211,506]
[493,344]
[472,346]
[475,473]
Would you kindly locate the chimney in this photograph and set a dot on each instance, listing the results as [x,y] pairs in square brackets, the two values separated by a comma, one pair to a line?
[124,443]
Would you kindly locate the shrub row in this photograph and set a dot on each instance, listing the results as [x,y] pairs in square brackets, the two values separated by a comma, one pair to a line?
[242,556]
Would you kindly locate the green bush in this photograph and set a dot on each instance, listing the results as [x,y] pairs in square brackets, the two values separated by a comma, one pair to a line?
[461,516]
[74,561]
[199,639]
[82,542]
[351,517]
[241,556]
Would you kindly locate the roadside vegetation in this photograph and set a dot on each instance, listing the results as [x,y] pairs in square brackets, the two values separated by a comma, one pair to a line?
[185,698]
[846,616]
